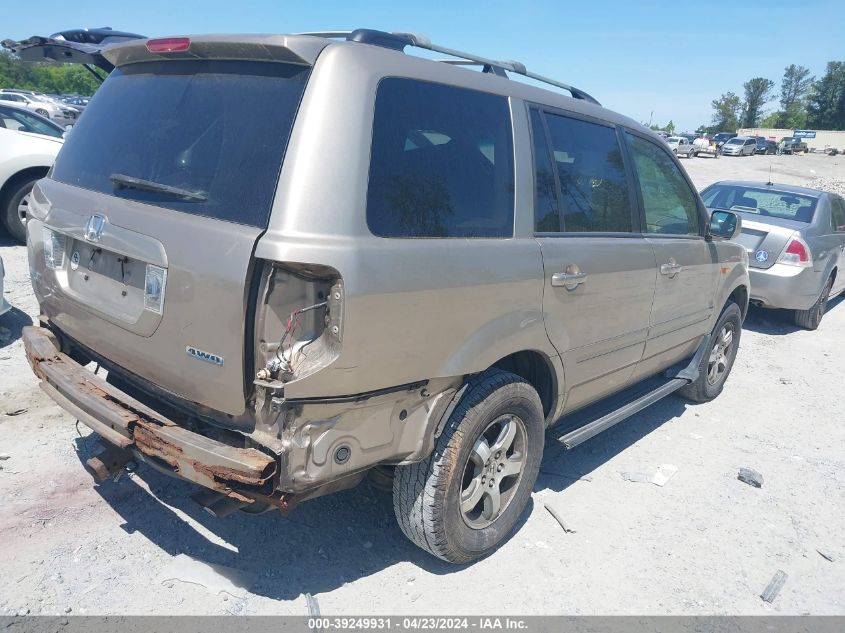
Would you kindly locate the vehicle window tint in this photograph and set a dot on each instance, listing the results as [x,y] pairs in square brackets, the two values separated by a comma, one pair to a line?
[216,130]
[837,212]
[546,210]
[668,201]
[441,162]
[593,186]
[12,119]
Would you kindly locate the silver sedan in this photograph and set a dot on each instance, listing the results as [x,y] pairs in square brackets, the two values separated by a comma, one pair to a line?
[795,238]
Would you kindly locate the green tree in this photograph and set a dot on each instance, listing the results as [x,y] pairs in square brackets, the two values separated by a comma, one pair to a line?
[757,92]
[45,77]
[826,103]
[726,113]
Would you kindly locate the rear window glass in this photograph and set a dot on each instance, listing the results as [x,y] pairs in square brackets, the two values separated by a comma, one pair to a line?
[441,162]
[763,202]
[201,137]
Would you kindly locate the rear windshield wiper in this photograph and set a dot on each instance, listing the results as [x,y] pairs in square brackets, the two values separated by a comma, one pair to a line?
[130,182]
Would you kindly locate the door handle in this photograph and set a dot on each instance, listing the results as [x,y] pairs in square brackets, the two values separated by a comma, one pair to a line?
[671,269]
[570,281]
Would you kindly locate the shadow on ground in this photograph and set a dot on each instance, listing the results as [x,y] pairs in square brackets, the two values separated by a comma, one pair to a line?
[779,322]
[335,539]
[11,325]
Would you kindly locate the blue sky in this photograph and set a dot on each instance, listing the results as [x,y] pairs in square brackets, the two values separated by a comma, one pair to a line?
[671,58]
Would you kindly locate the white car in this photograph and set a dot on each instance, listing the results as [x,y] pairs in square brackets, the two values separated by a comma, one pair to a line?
[4,305]
[25,158]
[62,114]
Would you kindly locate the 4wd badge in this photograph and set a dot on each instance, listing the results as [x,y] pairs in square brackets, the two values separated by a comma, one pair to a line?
[214,359]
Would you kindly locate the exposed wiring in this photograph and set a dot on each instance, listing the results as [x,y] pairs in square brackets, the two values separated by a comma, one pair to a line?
[290,327]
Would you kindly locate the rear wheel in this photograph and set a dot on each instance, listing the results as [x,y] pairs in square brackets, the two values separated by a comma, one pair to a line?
[15,208]
[716,365]
[466,497]
[810,319]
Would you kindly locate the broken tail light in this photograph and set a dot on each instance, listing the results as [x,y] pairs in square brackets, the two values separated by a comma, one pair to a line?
[54,248]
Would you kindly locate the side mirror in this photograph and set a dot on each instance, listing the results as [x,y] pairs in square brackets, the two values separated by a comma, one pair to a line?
[725,225]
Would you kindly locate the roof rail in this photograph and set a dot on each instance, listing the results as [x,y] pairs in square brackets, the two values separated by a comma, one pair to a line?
[398,42]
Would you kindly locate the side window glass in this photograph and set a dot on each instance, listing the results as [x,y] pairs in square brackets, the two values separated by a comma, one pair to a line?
[668,201]
[546,210]
[441,163]
[593,184]
[837,212]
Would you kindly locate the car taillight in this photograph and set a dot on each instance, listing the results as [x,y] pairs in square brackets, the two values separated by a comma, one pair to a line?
[796,253]
[169,45]
[154,282]
[54,248]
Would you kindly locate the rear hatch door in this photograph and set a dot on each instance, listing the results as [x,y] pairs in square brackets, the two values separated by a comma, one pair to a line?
[163,189]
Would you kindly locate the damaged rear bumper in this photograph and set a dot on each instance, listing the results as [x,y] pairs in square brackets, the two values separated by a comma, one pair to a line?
[241,473]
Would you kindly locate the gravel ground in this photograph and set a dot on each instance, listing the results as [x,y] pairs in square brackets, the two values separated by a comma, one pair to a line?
[704,543]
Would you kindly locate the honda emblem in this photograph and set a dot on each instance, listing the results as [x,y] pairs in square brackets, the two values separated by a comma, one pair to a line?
[94,229]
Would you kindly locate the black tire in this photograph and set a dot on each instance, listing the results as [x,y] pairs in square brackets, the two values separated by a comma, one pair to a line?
[705,389]
[9,209]
[812,318]
[427,495]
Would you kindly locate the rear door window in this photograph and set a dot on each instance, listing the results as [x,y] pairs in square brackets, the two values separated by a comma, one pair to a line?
[200,137]
[441,162]
[837,213]
[669,203]
[588,172]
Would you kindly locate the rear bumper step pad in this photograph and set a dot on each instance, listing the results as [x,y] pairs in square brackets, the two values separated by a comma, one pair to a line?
[129,424]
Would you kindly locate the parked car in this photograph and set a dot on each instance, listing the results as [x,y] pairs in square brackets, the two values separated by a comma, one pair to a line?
[765,146]
[274,339]
[62,115]
[792,145]
[795,238]
[681,146]
[722,137]
[24,158]
[80,103]
[20,120]
[4,305]
[739,146]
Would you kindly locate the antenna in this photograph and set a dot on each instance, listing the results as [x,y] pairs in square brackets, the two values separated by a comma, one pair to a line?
[770,183]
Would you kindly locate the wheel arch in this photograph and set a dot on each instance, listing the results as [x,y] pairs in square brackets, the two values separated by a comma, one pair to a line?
[22,175]
[740,296]
[539,371]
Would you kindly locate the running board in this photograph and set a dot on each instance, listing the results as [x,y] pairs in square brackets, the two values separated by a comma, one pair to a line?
[684,377]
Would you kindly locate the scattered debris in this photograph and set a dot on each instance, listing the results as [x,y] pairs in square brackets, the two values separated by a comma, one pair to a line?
[771,592]
[16,412]
[313,606]
[215,578]
[826,556]
[558,518]
[659,478]
[696,436]
[750,477]
[4,457]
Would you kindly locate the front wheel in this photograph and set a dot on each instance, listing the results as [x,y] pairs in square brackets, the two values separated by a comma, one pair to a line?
[465,498]
[716,365]
[812,318]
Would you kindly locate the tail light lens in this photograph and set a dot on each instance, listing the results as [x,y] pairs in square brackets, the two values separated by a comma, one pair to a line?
[154,283]
[796,253]
[169,45]
[54,248]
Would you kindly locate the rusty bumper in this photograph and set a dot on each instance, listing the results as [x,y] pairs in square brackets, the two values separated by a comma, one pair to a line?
[241,473]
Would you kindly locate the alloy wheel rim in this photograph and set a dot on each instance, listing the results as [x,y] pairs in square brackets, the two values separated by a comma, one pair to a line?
[493,471]
[717,365]
[23,209]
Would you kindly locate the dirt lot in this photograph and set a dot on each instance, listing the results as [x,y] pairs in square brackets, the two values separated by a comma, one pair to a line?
[704,543]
